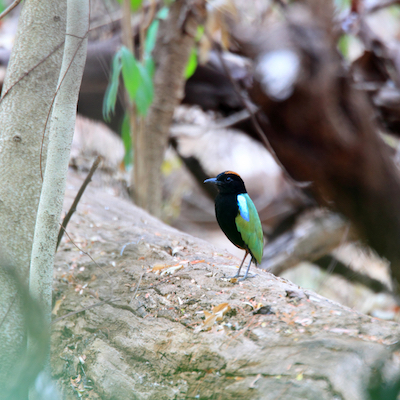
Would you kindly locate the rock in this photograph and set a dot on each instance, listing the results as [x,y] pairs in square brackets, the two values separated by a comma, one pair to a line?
[147,347]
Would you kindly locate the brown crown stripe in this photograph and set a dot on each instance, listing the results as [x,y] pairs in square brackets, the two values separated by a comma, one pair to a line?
[231,173]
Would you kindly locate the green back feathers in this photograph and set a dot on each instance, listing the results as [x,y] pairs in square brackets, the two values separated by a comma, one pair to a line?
[249,225]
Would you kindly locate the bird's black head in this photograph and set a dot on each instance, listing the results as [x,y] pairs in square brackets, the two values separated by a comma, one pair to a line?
[228,182]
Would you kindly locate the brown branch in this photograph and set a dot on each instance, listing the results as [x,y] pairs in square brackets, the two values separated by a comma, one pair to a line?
[137,288]
[8,309]
[99,303]
[253,118]
[111,18]
[95,263]
[77,199]
[382,4]
[314,236]
[30,70]
[349,274]
[10,8]
[323,131]
[174,42]
[150,17]
[126,23]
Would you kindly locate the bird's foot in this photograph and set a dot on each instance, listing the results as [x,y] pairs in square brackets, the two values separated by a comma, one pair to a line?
[241,277]
[245,276]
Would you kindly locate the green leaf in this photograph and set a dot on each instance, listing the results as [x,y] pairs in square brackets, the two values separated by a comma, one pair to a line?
[342,4]
[110,96]
[163,13]
[191,64]
[150,67]
[151,37]
[145,93]
[343,45]
[127,140]
[151,34]
[130,72]
[199,33]
[135,4]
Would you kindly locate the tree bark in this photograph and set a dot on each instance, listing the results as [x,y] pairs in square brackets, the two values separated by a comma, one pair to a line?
[174,42]
[27,94]
[62,127]
[146,343]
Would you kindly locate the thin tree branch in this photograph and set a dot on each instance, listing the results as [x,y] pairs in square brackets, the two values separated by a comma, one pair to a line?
[379,5]
[151,15]
[8,309]
[31,69]
[351,275]
[99,303]
[137,288]
[77,199]
[97,265]
[253,118]
[10,8]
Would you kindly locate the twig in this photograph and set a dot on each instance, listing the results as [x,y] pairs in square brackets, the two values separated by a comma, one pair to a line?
[233,119]
[353,276]
[379,5]
[151,15]
[97,265]
[137,288]
[253,118]
[77,199]
[30,70]
[100,303]
[10,8]
[9,308]
[110,19]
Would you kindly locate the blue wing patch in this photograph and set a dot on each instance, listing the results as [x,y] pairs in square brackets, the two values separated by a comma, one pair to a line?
[243,207]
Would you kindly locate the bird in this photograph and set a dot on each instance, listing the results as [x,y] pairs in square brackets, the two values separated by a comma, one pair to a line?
[238,218]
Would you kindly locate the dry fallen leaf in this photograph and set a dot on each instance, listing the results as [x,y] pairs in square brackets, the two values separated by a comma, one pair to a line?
[303,321]
[299,377]
[159,267]
[217,314]
[209,321]
[57,306]
[163,269]
[220,310]
[172,270]
[253,383]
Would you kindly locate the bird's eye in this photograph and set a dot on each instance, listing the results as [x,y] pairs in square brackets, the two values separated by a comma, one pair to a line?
[229,179]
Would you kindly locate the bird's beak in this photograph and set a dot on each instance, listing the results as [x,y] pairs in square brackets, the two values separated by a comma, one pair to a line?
[211,180]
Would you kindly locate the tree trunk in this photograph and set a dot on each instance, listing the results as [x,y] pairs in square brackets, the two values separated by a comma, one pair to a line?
[174,42]
[62,127]
[322,128]
[146,343]
[26,99]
